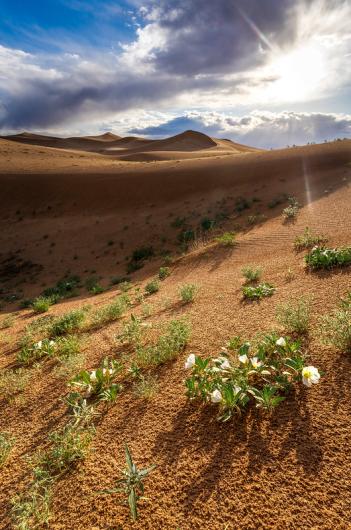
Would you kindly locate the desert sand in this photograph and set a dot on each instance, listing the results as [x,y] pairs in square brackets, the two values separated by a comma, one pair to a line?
[82,205]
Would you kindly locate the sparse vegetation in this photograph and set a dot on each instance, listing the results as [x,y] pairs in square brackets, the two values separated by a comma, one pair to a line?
[308,240]
[152,287]
[227,239]
[93,287]
[109,312]
[294,316]
[335,328]
[100,382]
[43,303]
[290,212]
[188,292]
[260,291]
[68,323]
[164,272]
[251,274]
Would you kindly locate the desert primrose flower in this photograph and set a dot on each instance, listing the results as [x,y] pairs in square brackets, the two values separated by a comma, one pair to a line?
[243,358]
[189,363]
[310,375]
[216,396]
[281,342]
[225,364]
[255,362]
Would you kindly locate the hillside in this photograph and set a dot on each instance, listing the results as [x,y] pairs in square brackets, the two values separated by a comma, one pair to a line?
[79,212]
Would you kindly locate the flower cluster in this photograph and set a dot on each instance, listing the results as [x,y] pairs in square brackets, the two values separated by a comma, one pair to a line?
[263,377]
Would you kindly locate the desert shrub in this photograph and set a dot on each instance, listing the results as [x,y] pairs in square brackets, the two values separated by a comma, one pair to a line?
[125,286]
[207,224]
[327,258]
[308,240]
[116,280]
[12,382]
[251,274]
[291,211]
[100,382]
[186,236]
[132,331]
[69,322]
[64,288]
[167,347]
[260,291]
[68,346]
[93,287]
[335,328]
[187,292]
[31,352]
[152,287]
[164,272]
[262,377]
[43,303]
[109,312]
[227,239]
[6,444]
[294,316]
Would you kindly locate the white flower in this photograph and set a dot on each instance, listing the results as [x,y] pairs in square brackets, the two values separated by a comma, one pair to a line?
[93,376]
[224,350]
[189,363]
[39,344]
[281,342]
[255,362]
[216,396]
[243,358]
[225,364]
[237,389]
[310,375]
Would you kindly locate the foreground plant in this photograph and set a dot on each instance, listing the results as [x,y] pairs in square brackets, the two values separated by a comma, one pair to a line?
[263,376]
[100,382]
[256,293]
[132,485]
[30,353]
[327,258]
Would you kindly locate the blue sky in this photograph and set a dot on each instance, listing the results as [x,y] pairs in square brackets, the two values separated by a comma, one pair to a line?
[265,72]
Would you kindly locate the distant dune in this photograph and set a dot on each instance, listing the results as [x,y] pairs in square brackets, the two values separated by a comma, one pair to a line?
[189,144]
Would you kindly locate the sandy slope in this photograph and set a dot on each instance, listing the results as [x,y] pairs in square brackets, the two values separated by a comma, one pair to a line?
[285,471]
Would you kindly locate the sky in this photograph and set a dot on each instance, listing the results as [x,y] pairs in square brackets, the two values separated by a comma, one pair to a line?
[267,73]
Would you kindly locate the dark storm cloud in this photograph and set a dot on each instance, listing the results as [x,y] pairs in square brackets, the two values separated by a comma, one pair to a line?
[204,39]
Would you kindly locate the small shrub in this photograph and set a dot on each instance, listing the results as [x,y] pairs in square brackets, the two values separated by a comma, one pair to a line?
[251,274]
[68,346]
[42,304]
[109,312]
[227,239]
[7,322]
[13,382]
[116,280]
[335,328]
[294,316]
[256,293]
[207,224]
[186,236]
[146,387]
[132,332]
[68,323]
[290,212]
[65,288]
[6,444]
[164,272]
[152,287]
[308,240]
[132,485]
[263,377]
[187,293]
[93,287]
[327,258]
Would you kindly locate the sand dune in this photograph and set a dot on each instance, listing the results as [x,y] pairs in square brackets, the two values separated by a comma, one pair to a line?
[137,149]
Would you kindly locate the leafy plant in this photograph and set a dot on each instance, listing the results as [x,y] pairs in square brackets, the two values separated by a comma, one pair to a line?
[93,287]
[7,322]
[256,293]
[227,239]
[335,328]
[132,332]
[35,351]
[164,272]
[327,258]
[99,382]
[187,292]
[146,386]
[68,323]
[132,485]
[6,444]
[308,240]
[263,377]
[291,211]
[251,274]
[294,316]
[152,287]
[109,312]
[64,288]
